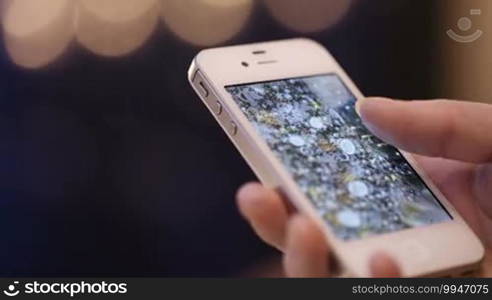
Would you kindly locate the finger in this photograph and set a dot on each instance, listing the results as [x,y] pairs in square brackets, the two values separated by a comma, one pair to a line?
[383,266]
[443,172]
[306,252]
[453,179]
[483,188]
[440,128]
[265,211]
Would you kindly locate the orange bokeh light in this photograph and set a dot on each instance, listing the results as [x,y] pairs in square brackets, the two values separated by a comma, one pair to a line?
[37,32]
[115,27]
[308,16]
[206,22]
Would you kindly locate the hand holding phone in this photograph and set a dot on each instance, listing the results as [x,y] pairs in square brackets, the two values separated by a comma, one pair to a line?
[290,110]
[422,128]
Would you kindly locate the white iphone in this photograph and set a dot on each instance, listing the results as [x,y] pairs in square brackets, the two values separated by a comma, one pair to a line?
[290,110]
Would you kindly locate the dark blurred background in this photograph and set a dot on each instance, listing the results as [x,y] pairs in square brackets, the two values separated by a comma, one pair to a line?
[109,163]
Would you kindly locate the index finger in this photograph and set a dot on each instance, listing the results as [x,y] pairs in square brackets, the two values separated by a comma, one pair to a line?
[439,128]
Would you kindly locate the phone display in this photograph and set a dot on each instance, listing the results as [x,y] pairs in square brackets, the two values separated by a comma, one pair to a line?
[359,185]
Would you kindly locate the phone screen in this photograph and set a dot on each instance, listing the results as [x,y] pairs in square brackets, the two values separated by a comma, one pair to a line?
[359,185]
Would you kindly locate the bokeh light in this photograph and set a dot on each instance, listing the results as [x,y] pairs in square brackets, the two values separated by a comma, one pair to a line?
[206,22]
[115,27]
[37,32]
[308,16]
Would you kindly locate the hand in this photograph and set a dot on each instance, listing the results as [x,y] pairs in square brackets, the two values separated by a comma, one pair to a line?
[453,143]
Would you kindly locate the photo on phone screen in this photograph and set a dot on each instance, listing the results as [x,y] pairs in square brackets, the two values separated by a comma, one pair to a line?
[359,185]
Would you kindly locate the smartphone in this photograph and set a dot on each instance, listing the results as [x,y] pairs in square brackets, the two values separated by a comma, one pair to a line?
[289,108]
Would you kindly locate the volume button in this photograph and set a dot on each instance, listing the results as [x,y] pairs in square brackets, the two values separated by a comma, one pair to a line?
[218,108]
[233,129]
[203,89]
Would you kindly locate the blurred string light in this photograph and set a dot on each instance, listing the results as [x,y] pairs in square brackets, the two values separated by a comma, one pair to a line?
[206,22]
[37,32]
[308,16]
[115,27]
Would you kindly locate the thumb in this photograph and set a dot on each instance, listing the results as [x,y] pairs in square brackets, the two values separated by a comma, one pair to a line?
[383,266]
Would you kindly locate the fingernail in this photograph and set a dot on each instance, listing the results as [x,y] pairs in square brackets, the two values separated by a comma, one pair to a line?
[369,110]
[358,105]
[364,101]
[361,104]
